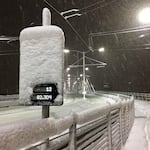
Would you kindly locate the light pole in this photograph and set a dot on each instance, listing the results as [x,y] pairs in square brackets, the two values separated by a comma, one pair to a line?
[66,79]
[84,66]
[84,91]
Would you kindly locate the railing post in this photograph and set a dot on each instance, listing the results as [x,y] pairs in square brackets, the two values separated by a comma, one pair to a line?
[120,126]
[72,135]
[123,123]
[109,130]
[126,121]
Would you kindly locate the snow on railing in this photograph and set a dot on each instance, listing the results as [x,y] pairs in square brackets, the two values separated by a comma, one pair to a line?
[137,96]
[104,127]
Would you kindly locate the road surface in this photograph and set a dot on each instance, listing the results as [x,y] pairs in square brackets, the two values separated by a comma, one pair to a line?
[25,113]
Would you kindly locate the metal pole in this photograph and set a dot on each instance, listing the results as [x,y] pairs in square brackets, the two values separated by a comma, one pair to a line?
[77,74]
[84,91]
[45,114]
[109,131]
[46,21]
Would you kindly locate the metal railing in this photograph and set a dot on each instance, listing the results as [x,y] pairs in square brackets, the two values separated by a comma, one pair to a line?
[138,96]
[104,128]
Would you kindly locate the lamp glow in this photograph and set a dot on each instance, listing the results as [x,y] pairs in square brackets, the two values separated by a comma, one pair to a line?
[66,51]
[68,75]
[81,75]
[102,49]
[86,68]
[68,69]
[142,35]
[144,15]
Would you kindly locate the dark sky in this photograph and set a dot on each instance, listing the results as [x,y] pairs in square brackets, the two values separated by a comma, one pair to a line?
[126,57]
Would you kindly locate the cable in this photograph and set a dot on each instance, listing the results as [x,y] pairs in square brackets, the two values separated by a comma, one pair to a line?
[78,35]
[129,49]
[84,13]
[91,5]
[123,31]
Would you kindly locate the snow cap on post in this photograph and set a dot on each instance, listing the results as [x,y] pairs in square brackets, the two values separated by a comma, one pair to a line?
[46,17]
[41,62]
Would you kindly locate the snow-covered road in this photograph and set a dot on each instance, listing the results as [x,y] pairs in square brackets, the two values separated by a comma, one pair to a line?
[139,135]
[71,104]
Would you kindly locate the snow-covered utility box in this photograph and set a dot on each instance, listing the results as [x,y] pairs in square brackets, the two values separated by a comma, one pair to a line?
[41,65]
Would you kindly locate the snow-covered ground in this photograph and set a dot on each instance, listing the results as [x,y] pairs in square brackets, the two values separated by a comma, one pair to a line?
[139,135]
[139,138]
[71,104]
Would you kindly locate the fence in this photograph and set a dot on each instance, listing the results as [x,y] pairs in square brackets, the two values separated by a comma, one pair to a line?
[104,128]
[138,96]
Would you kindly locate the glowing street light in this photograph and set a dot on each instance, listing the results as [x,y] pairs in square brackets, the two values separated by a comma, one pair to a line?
[84,92]
[68,75]
[86,68]
[144,15]
[102,49]
[81,75]
[66,51]
[68,69]
[142,35]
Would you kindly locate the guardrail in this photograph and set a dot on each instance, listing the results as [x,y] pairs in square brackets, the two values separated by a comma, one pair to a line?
[102,128]
[138,96]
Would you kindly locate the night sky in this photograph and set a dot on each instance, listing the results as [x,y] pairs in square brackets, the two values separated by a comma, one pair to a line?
[127,55]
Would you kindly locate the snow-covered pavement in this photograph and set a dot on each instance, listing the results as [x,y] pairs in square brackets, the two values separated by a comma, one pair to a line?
[71,104]
[139,135]
[139,138]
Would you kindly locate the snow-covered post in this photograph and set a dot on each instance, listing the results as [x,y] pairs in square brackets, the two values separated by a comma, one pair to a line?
[120,124]
[109,128]
[72,134]
[41,64]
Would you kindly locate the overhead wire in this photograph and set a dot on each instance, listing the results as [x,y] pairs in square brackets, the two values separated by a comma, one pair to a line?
[91,10]
[89,6]
[74,30]
[98,7]
[82,13]
[122,31]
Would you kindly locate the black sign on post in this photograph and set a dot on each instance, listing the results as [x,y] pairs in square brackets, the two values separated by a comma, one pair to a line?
[44,94]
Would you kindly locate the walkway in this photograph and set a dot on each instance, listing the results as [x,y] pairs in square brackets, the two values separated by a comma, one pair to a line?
[139,135]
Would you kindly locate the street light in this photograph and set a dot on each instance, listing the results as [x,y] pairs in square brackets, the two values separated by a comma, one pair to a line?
[68,69]
[101,49]
[142,35]
[66,51]
[86,68]
[68,75]
[81,75]
[144,15]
